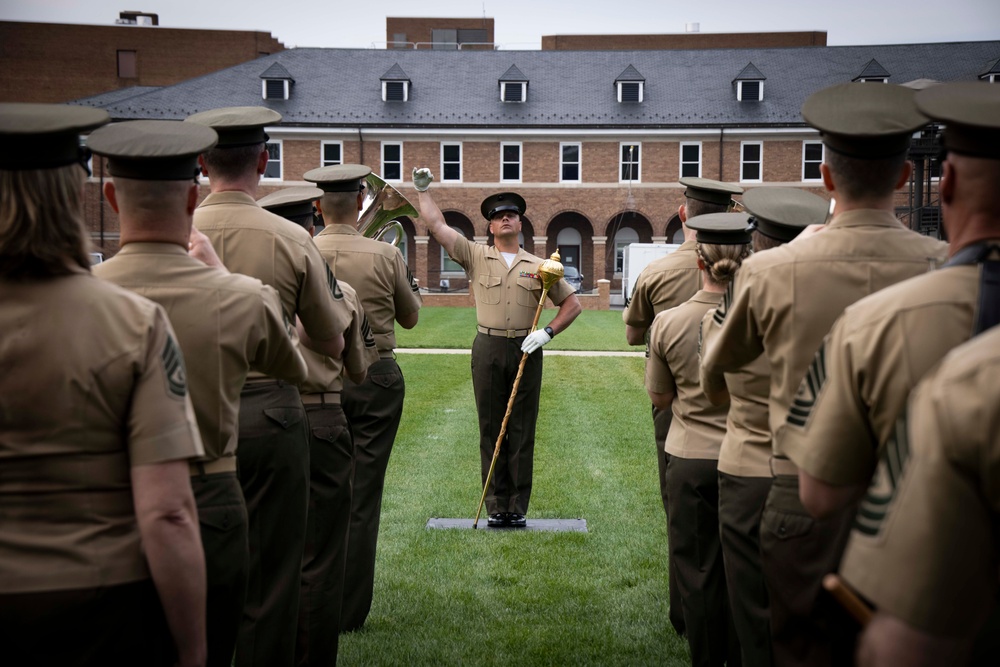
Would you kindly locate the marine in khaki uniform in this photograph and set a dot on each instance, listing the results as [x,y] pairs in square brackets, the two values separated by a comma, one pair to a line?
[273,448]
[782,304]
[507,288]
[778,215]
[925,551]
[665,283]
[102,563]
[226,324]
[331,457]
[695,438]
[881,347]
[374,408]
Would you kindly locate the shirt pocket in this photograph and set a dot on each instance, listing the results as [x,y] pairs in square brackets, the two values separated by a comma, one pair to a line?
[488,289]
[529,291]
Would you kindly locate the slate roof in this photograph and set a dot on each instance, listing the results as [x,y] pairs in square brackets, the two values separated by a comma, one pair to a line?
[276,71]
[873,70]
[115,96]
[630,74]
[991,68]
[395,73]
[513,74]
[570,89]
[750,73]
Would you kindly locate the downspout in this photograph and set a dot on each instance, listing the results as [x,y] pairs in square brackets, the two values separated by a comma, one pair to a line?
[722,131]
[100,202]
[361,142]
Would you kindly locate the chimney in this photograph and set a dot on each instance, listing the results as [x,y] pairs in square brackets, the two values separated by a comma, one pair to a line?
[137,18]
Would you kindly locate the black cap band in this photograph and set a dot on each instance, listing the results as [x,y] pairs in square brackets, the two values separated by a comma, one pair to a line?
[716,237]
[145,169]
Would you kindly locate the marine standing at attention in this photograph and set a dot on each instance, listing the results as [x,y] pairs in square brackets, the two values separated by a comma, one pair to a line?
[374,408]
[331,457]
[785,300]
[226,324]
[507,290]
[695,438]
[273,451]
[102,562]
[665,283]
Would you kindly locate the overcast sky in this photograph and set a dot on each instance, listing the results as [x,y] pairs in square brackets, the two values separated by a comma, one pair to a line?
[520,24]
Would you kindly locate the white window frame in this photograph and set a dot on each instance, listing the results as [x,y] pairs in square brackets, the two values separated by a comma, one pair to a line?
[873,79]
[760,163]
[620,250]
[578,163]
[993,78]
[460,152]
[681,162]
[642,89]
[263,89]
[524,91]
[760,90]
[520,161]
[822,156]
[621,163]
[323,162]
[406,91]
[383,162]
[280,161]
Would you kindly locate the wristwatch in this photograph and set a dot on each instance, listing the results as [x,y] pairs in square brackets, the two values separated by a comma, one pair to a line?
[549,331]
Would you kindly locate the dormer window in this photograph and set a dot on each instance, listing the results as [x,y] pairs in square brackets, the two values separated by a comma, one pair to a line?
[276,83]
[873,72]
[513,91]
[513,85]
[631,85]
[750,84]
[750,91]
[395,85]
[395,91]
[991,72]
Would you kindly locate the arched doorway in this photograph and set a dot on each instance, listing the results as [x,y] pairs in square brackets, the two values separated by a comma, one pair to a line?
[573,236]
[675,230]
[625,228]
[443,274]
[407,246]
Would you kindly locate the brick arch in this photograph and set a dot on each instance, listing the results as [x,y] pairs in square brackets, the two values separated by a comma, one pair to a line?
[624,219]
[410,230]
[584,227]
[674,229]
[456,282]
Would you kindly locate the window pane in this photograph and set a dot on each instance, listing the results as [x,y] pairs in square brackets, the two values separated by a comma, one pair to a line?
[571,172]
[273,169]
[814,151]
[689,153]
[511,153]
[811,171]
[689,170]
[452,171]
[390,152]
[751,171]
[511,171]
[452,153]
[751,152]
[331,154]
[571,153]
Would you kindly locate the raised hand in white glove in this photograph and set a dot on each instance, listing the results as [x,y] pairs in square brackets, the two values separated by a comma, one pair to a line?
[535,340]
[422,178]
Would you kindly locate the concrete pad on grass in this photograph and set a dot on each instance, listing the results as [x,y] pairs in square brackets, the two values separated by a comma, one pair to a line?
[552,525]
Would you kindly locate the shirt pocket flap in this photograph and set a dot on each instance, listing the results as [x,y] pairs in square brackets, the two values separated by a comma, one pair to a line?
[489,281]
[284,417]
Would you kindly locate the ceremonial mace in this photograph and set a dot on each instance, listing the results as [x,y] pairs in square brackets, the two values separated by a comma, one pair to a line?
[550,271]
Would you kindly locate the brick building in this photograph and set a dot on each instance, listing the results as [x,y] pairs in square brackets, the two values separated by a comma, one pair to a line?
[57,62]
[594,140]
[442,34]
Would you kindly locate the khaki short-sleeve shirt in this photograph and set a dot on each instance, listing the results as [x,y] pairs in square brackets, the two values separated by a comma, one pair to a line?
[326,374]
[506,296]
[664,283]
[226,325]
[859,381]
[379,275]
[92,384]
[279,253]
[698,427]
[784,301]
[746,449]
[926,548]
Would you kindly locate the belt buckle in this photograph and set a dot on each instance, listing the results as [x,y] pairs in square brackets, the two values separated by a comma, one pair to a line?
[511,333]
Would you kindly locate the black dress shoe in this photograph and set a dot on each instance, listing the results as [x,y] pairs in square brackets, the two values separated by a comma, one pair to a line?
[515,520]
[497,520]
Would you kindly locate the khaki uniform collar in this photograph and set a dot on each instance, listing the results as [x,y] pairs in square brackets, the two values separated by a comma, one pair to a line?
[865,217]
[228,197]
[704,296]
[492,252]
[687,245]
[339,229]
[152,248]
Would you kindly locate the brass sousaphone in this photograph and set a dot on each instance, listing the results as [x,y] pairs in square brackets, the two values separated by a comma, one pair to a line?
[383,206]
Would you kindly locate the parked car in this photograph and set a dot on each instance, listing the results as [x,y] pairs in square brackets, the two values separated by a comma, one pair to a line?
[573,276]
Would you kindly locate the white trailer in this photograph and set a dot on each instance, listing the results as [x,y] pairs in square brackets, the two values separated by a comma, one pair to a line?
[636,257]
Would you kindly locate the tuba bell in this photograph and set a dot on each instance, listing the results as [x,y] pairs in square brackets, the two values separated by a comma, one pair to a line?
[383,205]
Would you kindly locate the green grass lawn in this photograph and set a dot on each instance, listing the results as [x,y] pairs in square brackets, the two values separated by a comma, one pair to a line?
[463,597]
[444,327]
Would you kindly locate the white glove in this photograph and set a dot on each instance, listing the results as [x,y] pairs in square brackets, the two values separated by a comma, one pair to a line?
[534,341]
[422,178]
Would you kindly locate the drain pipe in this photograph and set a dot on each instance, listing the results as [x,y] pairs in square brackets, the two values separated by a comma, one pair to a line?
[361,142]
[722,132]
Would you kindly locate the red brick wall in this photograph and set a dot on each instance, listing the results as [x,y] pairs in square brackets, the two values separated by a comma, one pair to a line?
[419,29]
[52,62]
[740,40]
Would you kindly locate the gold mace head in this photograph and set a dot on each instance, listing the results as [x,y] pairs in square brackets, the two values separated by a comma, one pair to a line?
[551,270]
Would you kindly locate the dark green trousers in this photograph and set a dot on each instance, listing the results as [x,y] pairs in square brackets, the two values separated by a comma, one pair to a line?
[374,409]
[222,517]
[797,551]
[273,460]
[741,503]
[331,464]
[693,535]
[494,365]
[661,427]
